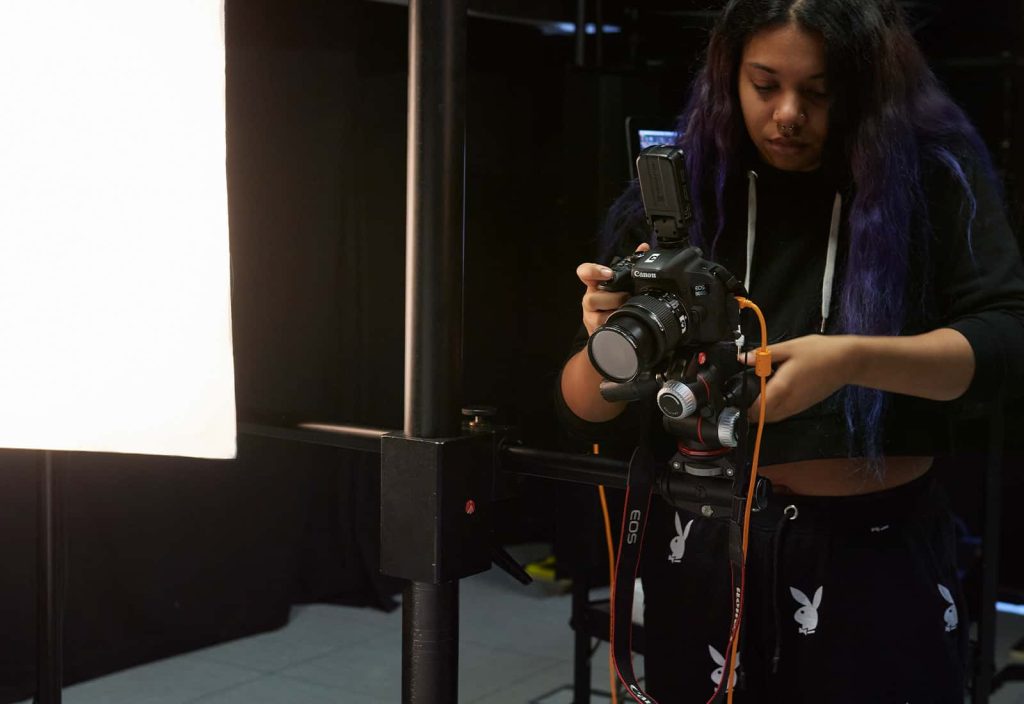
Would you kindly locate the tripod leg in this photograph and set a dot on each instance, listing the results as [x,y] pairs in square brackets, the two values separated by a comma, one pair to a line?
[581,652]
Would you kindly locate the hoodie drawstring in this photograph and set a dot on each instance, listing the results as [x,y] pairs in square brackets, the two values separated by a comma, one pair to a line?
[751,224]
[789,514]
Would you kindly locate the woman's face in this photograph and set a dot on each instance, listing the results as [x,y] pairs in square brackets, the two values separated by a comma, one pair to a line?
[784,96]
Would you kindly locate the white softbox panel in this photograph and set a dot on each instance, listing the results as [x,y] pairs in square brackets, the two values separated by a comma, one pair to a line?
[114,272]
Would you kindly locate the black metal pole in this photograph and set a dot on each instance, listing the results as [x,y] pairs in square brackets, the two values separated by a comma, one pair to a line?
[434,183]
[430,643]
[49,569]
[581,34]
[433,318]
[581,650]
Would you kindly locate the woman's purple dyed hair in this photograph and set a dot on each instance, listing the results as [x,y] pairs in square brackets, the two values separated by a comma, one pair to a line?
[888,116]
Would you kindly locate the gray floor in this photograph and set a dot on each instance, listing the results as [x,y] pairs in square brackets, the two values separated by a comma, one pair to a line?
[516,648]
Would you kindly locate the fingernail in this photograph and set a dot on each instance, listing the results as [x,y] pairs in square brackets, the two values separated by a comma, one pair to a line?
[606,271]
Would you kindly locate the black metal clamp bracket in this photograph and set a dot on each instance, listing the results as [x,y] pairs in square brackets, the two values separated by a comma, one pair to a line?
[435,519]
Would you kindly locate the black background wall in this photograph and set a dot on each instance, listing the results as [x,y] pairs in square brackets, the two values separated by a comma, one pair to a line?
[319,250]
[165,555]
[317,101]
[319,237]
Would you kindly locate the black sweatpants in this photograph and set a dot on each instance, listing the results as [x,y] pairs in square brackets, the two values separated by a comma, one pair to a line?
[857,597]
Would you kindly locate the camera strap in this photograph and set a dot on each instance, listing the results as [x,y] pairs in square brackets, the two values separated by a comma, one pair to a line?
[635,512]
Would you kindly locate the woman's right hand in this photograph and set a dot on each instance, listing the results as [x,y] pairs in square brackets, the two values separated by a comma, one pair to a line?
[580,382]
[598,304]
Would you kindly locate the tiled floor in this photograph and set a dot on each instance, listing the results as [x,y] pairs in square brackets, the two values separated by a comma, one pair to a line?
[515,648]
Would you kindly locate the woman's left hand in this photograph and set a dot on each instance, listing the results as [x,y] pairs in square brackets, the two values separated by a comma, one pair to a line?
[808,369]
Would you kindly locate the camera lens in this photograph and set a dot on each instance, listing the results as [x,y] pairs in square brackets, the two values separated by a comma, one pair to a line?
[618,350]
[638,335]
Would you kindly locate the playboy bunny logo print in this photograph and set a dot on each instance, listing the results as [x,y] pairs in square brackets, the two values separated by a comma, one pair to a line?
[951,616]
[678,545]
[807,615]
[719,672]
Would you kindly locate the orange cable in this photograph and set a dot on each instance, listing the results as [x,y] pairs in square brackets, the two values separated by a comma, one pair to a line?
[611,583]
[763,368]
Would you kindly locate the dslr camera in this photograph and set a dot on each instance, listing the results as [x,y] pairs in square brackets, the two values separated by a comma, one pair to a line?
[681,299]
[676,338]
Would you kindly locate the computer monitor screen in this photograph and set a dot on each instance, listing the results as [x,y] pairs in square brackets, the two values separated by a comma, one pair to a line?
[649,138]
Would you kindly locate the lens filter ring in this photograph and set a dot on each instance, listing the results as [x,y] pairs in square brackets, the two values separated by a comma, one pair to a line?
[614,352]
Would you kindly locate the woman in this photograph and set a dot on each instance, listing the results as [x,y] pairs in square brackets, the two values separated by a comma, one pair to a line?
[831,172]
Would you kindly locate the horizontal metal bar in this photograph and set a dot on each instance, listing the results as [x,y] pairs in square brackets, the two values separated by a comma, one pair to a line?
[583,469]
[560,466]
[350,437]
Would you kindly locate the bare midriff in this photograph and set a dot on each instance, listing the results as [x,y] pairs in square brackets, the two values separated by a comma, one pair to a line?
[842,477]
